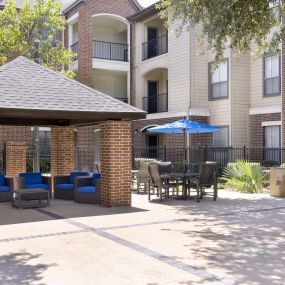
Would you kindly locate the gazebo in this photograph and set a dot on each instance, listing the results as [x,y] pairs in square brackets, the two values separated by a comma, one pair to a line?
[32,95]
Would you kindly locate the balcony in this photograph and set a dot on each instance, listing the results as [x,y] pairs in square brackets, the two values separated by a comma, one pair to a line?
[74,49]
[124,100]
[110,51]
[155,103]
[155,47]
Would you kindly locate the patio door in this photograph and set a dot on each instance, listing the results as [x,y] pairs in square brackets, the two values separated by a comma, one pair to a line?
[153,143]
[151,38]
[152,91]
[272,142]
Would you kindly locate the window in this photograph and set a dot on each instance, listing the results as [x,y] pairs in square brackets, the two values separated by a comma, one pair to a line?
[218,80]
[272,75]
[272,143]
[221,138]
[45,144]
[275,6]
[272,136]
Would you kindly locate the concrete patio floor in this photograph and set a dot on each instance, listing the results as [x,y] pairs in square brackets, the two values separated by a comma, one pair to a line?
[240,239]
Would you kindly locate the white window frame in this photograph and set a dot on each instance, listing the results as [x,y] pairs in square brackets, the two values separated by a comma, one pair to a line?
[210,67]
[271,78]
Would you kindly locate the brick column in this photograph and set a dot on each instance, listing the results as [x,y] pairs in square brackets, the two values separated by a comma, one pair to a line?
[62,150]
[115,152]
[16,158]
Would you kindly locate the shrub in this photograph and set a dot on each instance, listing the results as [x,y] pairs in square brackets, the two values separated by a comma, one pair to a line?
[245,176]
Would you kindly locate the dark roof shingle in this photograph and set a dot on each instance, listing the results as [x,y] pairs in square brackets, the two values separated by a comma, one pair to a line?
[26,85]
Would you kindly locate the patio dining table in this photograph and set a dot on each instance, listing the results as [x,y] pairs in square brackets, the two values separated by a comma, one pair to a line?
[180,176]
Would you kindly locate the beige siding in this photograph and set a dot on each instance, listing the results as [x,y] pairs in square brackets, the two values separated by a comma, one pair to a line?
[179,77]
[240,99]
[256,89]
[199,70]
[220,110]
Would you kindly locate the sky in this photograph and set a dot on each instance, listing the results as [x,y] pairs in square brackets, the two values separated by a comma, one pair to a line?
[146,3]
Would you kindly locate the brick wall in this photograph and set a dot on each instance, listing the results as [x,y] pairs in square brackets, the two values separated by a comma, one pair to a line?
[256,134]
[62,150]
[123,8]
[255,126]
[116,150]
[15,133]
[16,158]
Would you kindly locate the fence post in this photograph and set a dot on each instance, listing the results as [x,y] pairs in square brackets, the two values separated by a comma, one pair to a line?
[36,160]
[205,154]
[133,157]
[244,152]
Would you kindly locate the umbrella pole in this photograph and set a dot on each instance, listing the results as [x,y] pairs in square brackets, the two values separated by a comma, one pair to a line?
[185,154]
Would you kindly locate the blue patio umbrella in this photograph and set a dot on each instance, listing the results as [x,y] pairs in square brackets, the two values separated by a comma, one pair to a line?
[184,127]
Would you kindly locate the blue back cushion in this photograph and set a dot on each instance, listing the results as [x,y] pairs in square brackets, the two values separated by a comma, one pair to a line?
[75,174]
[95,177]
[2,181]
[32,178]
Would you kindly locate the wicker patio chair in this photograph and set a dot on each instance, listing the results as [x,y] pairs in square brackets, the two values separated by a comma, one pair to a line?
[64,185]
[34,180]
[160,184]
[87,189]
[143,177]
[6,187]
[205,183]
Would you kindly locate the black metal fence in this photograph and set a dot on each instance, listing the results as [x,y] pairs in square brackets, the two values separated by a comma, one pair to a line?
[108,50]
[156,103]
[155,47]
[74,49]
[44,158]
[267,157]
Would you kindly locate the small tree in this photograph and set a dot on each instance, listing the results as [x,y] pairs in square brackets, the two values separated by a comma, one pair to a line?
[33,32]
[229,23]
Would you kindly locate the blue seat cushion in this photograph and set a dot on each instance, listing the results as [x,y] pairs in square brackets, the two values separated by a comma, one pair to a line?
[75,174]
[86,189]
[2,180]
[95,177]
[34,186]
[4,188]
[32,178]
[64,186]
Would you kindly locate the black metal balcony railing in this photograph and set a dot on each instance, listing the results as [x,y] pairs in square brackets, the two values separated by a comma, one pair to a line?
[111,51]
[155,47]
[74,49]
[155,103]
[125,100]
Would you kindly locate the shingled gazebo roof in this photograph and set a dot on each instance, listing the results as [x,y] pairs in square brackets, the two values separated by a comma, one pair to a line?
[31,94]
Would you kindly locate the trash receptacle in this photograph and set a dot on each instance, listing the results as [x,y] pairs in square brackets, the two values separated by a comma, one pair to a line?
[277,182]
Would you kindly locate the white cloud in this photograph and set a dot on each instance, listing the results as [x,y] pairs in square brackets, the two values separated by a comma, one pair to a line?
[146,3]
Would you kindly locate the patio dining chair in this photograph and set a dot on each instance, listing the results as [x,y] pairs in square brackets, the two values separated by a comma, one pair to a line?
[87,189]
[162,185]
[143,177]
[64,185]
[6,185]
[205,184]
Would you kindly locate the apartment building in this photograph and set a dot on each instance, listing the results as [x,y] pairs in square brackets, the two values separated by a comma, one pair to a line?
[126,52]
[172,80]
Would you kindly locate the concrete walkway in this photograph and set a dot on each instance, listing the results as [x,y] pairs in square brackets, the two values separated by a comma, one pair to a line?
[240,239]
